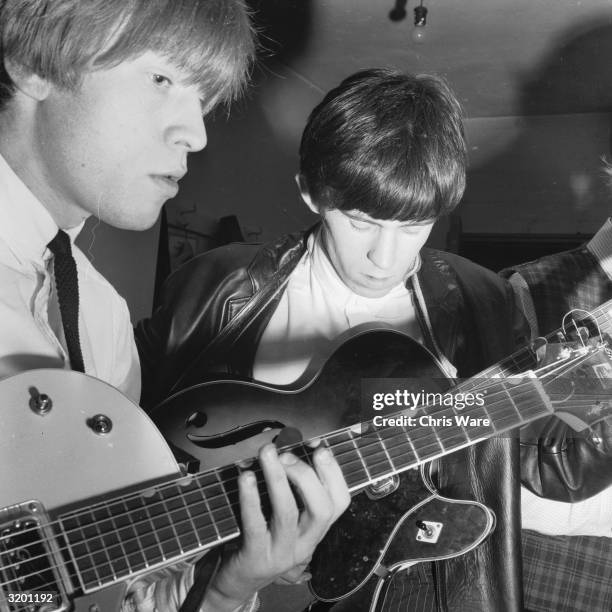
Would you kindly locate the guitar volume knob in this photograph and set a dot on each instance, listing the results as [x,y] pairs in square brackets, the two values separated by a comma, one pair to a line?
[100,424]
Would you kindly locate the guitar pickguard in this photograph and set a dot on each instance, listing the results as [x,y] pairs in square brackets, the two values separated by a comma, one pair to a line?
[394,541]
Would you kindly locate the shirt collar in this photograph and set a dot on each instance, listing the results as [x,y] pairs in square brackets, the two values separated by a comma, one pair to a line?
[27,226]
[600,247]
[328,277]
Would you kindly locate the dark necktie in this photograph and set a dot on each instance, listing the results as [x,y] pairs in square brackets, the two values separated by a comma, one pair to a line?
[67,285]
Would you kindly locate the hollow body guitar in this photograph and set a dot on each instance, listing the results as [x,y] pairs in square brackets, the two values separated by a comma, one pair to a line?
[223,421]
[91,496]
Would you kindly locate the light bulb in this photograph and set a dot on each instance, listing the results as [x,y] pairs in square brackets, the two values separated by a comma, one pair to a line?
[420,21]
[419,35]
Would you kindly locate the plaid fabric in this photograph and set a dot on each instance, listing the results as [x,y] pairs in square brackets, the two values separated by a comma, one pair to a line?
[567,574]
[560,282]
[412,590]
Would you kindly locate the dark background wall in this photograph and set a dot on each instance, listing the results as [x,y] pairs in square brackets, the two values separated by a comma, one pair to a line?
[533,77]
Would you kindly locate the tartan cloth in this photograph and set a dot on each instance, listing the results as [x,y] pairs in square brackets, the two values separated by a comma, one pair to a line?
[567,574]
[412,589]
[558,283]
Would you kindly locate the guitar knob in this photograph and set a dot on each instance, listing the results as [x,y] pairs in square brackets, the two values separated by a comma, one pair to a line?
[100,424]
[40,403]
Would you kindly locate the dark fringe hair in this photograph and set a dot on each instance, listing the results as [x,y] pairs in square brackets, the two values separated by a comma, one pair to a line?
[388,144]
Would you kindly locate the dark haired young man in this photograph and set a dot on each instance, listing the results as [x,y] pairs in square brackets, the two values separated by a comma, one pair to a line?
[100,104]
[382,157]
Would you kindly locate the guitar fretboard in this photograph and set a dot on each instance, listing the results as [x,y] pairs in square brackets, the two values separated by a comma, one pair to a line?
[373,453]
[115,539]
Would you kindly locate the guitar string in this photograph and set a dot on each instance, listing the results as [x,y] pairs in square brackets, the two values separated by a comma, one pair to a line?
[363,447]
[512,358]
[131,570]
[440,448]
[388,461]
[147,568]
[437,446]
[439,443]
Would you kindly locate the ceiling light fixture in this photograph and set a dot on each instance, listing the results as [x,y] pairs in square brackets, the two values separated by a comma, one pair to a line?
[398,12]
[420,21]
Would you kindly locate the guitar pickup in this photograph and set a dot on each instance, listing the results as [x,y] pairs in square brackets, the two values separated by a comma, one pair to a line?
[28,565]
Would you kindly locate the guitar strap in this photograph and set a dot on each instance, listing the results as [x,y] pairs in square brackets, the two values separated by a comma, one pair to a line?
[204,570]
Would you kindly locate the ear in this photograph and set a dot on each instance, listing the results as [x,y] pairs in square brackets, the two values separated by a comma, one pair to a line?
[305,194]
[26,81]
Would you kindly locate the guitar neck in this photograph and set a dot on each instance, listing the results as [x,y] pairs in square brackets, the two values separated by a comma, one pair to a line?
[113,540]
[413,437]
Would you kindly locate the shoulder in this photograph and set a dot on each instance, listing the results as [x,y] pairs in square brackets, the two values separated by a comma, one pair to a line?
[576,260]
[238,263]
[215,266]
[461,269]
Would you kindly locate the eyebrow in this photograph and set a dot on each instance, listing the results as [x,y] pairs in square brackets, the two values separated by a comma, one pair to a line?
[375,222]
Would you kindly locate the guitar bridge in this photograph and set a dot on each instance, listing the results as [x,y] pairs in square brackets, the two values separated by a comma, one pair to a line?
[30,564]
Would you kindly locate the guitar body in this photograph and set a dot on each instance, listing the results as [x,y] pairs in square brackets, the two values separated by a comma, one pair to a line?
[91,496]
[222,421]
[57,459]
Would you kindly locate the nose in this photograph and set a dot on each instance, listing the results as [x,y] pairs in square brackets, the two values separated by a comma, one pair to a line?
[382,249]
[189,131]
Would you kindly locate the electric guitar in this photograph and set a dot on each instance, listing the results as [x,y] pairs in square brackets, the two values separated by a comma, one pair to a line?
[392,527]
[91,496]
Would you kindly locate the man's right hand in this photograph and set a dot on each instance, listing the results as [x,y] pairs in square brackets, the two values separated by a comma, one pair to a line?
[283,548]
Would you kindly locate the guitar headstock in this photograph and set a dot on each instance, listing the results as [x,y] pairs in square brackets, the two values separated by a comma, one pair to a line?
[577,376]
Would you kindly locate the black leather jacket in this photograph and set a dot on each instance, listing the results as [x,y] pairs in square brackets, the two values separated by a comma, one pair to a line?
[475,324]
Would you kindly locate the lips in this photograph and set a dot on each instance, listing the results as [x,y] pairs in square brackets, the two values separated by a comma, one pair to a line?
[167,182]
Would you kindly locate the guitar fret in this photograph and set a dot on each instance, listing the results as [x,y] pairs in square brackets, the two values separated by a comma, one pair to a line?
[205,520]
[399,447]
[103,520]
[162,525]
[349,459]
[452,436]
[184,530]
[144,531]
[100,547]
[372,452]
[387,455]
[220,505]
[468,420]
[154,551]
[130,540]
[525,401]
[423,440]
[87,566]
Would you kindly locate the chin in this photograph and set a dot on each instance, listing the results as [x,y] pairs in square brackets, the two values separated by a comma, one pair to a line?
[370,293]
[146,220]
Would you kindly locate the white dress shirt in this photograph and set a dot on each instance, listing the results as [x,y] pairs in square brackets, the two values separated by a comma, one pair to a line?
[27,336]
[316,309]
